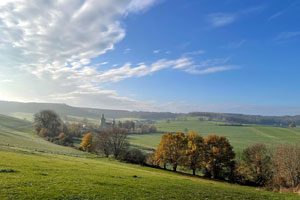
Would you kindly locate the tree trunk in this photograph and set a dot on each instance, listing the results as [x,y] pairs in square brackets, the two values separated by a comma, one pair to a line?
[194,172]
[175,168]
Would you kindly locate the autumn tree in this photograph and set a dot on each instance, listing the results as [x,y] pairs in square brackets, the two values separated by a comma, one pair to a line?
[257,159]
[160,155]
[195,152]
[171,149]
[292,125]
[47,123]
[87,142]
[219,157]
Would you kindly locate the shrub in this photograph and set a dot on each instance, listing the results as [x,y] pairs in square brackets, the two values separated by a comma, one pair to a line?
[257,162]
[87,142]
[134,156]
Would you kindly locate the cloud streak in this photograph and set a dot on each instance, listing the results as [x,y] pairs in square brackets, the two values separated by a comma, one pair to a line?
[47,48]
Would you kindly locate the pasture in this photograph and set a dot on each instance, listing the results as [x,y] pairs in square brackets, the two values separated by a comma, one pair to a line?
[32,168]
[27,174]
[239,136]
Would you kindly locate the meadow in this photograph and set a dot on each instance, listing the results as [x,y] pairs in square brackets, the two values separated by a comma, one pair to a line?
[27,174]
[32,168]
[18,133]
[239,136]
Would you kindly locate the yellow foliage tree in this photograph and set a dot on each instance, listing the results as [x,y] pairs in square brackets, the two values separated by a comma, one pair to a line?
[171,150]
[195,152]
[219,157]
[87,141]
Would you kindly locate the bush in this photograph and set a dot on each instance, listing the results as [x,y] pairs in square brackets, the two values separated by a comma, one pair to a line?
[257,164]
[134,156]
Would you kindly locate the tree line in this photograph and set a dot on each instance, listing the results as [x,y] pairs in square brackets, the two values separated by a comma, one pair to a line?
[213,157]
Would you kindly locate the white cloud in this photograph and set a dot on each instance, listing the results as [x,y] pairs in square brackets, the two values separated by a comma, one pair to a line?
[287,35]
[104,63]
[194,53]
[235,45]
[46,48]
[221,19]
[156,51]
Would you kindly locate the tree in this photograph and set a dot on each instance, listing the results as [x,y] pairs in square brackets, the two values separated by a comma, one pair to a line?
[258,160]
[219,157]
[171,149]
[87,142]
[286,166]
[292,125]
[47,121]
[160,156]
[119,141]
[103,143]
[195,152]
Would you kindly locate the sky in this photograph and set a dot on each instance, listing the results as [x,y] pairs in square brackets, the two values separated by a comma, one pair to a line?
[153,55]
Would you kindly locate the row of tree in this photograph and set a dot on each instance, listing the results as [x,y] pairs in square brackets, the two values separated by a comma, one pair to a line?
[276,168]
[212,155]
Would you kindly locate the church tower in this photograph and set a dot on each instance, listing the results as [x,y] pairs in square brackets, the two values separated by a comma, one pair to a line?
[102,121]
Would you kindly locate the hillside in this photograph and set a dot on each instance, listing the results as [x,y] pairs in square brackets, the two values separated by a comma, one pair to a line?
[9,108]
[19,133]
[26,111]
[31,168]
[239,136]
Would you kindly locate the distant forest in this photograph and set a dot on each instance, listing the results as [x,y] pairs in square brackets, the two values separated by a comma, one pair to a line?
[248,119]
[95,113]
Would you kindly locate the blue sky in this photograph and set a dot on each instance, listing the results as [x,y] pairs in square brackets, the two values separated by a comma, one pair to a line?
[158,55]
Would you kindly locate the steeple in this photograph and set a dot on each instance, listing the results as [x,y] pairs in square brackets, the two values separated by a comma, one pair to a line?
[102,121]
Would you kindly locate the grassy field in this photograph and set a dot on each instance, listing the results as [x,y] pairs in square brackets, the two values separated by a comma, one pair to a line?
[19,133]
[39,175]
[239,136]
[31,168]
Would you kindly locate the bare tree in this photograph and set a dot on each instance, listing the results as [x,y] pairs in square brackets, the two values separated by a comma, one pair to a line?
[287,166]
[113,141]
[102,143]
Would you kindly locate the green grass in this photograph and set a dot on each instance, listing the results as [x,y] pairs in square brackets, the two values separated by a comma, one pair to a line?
[50,176]
[31,168]
[19,133]
[239,136]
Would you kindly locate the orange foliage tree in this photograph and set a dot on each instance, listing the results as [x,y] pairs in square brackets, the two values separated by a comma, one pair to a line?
[219,157]
[195,152]
[87,141]
[171,150]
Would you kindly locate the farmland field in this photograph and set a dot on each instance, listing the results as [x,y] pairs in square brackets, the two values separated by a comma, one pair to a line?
[32,168]
[19,133]
[239,136]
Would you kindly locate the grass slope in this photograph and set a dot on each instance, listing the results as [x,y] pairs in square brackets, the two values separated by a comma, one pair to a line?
[19,133]
[239,136]
[31,168]
[49,176]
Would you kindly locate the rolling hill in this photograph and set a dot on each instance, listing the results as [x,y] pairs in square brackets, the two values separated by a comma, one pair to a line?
[31,168]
